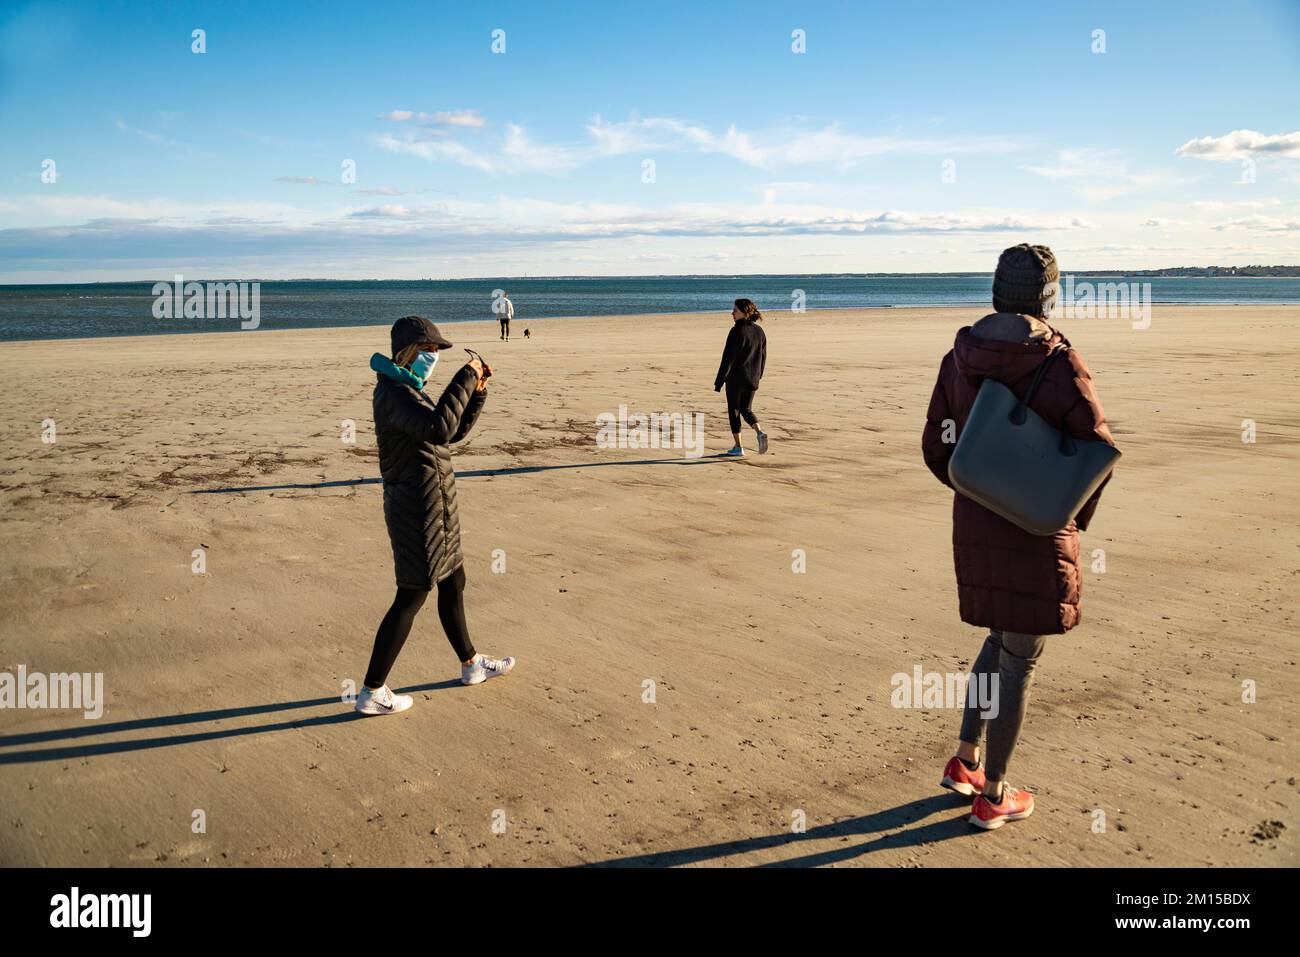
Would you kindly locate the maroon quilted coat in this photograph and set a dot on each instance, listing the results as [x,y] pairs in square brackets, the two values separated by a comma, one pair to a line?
[1008,579]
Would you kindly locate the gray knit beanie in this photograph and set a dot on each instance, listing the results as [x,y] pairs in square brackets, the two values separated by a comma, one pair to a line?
[1026,281]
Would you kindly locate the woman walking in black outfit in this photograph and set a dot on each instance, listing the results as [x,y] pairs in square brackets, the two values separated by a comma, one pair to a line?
[741,370]
[414,436]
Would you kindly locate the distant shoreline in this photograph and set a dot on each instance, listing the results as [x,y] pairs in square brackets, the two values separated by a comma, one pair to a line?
[772,314]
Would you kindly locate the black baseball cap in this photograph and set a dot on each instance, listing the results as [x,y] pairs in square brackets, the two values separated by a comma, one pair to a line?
[410,330]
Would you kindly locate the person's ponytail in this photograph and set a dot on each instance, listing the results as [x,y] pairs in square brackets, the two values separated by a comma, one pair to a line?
[407,355]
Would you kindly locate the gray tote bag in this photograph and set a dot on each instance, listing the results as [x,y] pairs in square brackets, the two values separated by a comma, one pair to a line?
[1016,465]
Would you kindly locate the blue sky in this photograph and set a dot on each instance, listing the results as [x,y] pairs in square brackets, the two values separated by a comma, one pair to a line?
[908,137]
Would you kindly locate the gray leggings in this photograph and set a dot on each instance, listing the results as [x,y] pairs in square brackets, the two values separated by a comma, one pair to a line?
[1012,658]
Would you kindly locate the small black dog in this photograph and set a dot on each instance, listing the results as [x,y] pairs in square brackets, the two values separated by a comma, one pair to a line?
[527,335]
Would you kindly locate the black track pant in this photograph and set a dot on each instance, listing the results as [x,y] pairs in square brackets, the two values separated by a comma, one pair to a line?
[401,616]
[739,400]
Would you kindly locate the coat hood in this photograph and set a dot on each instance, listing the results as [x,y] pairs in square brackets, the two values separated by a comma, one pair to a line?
[978,358]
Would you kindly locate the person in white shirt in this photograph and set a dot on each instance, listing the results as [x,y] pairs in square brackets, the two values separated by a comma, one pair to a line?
[505,310]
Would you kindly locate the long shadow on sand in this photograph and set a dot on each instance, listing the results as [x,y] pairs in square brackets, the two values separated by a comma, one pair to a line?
[471,473]
[878,822]
[142,744]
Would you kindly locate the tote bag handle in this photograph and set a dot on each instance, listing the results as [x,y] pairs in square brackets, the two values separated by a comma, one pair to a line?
[1019,412]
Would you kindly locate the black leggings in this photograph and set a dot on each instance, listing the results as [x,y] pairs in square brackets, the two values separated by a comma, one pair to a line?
[401,616]
[739,400]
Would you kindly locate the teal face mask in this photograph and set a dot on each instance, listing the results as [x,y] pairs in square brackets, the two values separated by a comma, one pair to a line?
[424,364]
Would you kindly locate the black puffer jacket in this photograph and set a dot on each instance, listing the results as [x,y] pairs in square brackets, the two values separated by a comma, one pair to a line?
[414,436]
[743,357]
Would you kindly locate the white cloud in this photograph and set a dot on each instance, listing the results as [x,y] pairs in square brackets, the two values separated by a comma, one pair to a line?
[523,218]
[1216,205]
[779,146]
[507,236]
[373,231]
[429,149]
[145,134]
[74,209]
[637,135]
[523,153]
[469,118]
[833,145]
[537,218]
[1087,163]
[390,211]
[518,151]
[1097,175]
[1240,144]
[1267,224]
[472,119]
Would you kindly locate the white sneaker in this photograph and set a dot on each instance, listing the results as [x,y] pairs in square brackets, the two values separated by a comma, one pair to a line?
[382,701]
[762,443]
[484,668]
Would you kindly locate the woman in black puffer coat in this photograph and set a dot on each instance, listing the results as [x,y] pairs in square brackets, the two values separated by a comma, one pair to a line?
[414,435]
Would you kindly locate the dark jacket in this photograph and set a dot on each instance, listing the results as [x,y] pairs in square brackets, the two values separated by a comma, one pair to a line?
[743,357]
[1008,579]
[414,436]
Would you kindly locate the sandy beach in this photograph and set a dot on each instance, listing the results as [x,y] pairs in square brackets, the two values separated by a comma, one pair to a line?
[770,700]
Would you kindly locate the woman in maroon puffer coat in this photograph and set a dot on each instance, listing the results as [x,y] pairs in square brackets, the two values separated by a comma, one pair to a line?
[1020,586]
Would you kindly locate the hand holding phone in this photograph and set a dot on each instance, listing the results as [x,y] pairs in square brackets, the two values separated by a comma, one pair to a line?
[481,368]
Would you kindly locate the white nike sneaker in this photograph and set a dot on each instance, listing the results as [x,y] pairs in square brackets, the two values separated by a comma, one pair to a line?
[382,701]
[484,668]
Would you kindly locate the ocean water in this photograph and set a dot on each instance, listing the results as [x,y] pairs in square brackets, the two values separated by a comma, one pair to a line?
[126,309]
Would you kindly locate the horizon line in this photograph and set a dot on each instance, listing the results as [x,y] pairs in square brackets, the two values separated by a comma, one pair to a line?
[833,275]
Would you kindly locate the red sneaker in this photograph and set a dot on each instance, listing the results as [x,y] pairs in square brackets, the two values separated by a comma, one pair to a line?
[1016,805]
[957,778]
